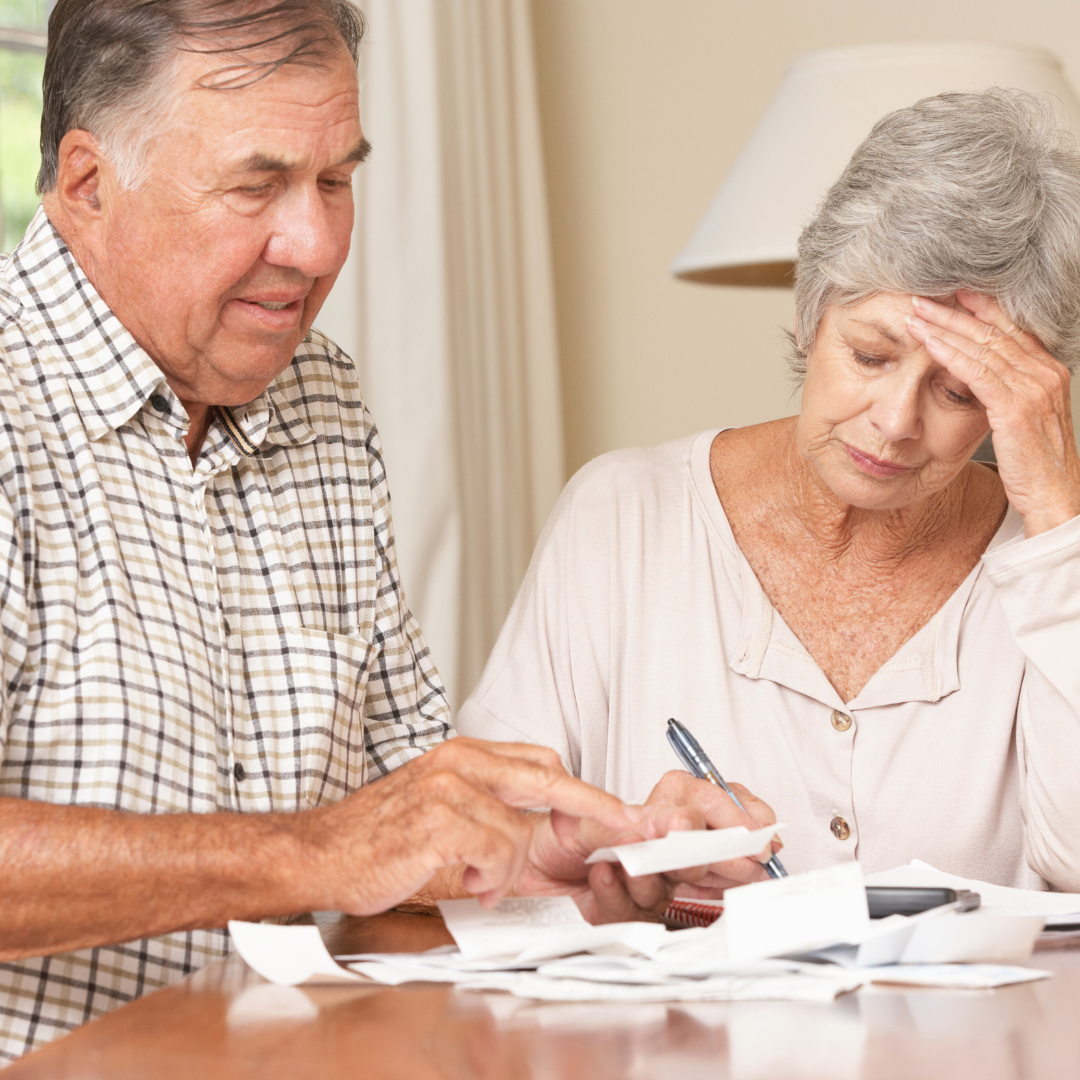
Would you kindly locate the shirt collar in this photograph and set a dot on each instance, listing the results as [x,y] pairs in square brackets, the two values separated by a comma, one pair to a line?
[76,334]
[271,419]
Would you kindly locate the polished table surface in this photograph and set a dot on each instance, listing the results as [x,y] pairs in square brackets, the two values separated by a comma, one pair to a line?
[226,1021]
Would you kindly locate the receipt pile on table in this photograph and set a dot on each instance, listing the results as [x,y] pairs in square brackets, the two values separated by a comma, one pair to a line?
[1060,910]
[807,937]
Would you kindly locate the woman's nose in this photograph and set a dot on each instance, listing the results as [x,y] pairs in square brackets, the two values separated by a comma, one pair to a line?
[896,413]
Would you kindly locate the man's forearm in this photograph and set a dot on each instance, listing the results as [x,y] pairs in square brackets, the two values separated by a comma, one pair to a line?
[74,877]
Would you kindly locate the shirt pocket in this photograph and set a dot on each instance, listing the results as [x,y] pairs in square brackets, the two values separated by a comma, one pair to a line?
[298,723]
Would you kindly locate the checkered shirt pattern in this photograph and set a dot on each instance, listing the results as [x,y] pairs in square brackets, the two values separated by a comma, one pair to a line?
[231,637]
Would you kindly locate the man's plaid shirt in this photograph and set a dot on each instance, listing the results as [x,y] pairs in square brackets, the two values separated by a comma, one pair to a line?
[229,637]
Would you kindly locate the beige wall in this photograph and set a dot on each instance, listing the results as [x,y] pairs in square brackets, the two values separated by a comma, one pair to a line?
[645,104]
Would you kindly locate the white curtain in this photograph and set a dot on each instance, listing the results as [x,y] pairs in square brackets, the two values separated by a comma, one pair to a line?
[446,306]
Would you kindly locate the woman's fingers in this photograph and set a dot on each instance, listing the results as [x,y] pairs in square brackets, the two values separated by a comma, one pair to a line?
[720,811]
[680,789]
[757,808]
[987,310]
[976,347]
[618,898]
[984,372]
[982,322]
[1001,382]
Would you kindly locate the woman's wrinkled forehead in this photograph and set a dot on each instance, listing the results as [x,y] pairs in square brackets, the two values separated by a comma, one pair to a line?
[848,300]
[882,313]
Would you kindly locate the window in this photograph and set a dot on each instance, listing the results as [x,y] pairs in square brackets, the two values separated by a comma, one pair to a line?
[22,63]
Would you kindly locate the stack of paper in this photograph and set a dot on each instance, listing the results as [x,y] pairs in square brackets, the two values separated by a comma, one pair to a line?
[548,951]
[806,937]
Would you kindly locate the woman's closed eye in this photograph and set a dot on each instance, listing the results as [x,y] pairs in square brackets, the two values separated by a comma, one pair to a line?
[866,360]
[956,397]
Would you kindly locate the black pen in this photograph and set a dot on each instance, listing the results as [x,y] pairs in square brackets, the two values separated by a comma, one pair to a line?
[696,761]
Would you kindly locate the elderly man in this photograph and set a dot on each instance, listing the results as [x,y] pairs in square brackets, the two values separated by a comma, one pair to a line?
[203,630]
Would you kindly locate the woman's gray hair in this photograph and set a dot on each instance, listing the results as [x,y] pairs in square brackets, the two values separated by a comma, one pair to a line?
[110,64]
[959,191]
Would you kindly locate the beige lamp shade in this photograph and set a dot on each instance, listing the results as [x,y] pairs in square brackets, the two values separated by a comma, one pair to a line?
[826,105]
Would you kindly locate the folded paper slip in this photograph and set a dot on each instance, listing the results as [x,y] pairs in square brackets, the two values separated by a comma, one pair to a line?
[691,847]
[287,955]
[527,928]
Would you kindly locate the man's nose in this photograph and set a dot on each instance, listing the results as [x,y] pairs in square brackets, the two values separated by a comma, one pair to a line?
[310,233]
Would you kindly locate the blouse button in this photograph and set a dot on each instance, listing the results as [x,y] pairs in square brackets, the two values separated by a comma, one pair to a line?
[839,828]
[840,721]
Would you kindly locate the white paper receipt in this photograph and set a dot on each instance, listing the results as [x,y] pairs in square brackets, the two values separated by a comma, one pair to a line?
[510,926]
[689,847]
[797,913]
[287,955]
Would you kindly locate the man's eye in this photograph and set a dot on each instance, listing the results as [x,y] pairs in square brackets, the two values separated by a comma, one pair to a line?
[258,189]
[336,184]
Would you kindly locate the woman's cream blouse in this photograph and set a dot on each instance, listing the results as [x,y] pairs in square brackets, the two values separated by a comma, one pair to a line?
[963,750]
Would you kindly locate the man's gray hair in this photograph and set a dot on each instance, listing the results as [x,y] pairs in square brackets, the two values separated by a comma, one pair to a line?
[959,191]
[110,63]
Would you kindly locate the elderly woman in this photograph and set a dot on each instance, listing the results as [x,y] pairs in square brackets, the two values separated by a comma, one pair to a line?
[878,635]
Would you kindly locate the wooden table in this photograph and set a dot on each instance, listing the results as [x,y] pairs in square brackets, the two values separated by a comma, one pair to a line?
[225,1021]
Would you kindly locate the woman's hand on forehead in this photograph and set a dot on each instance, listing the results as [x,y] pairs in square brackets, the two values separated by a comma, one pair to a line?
[1025,392]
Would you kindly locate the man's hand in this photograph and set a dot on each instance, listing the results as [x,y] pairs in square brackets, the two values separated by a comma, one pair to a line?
[458,804]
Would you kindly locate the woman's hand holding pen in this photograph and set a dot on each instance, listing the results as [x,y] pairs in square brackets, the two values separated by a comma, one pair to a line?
[604,892]
[680,790]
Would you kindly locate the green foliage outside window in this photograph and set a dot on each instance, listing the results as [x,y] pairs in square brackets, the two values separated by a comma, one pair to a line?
[20,119]
[25,14]
[20,122]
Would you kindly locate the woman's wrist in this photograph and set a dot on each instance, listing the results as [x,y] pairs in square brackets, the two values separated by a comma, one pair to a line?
[1043,519]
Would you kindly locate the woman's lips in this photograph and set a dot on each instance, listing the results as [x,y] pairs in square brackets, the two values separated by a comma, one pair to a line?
[872,465]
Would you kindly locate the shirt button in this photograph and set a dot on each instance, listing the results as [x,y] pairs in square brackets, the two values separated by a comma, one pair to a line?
[160,403]
[839,828]
[238,772]
[840,721]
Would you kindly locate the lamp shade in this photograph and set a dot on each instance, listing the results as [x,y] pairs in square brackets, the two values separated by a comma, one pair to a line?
[826,105]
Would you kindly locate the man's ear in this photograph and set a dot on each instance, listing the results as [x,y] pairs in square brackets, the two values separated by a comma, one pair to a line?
[81,178]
